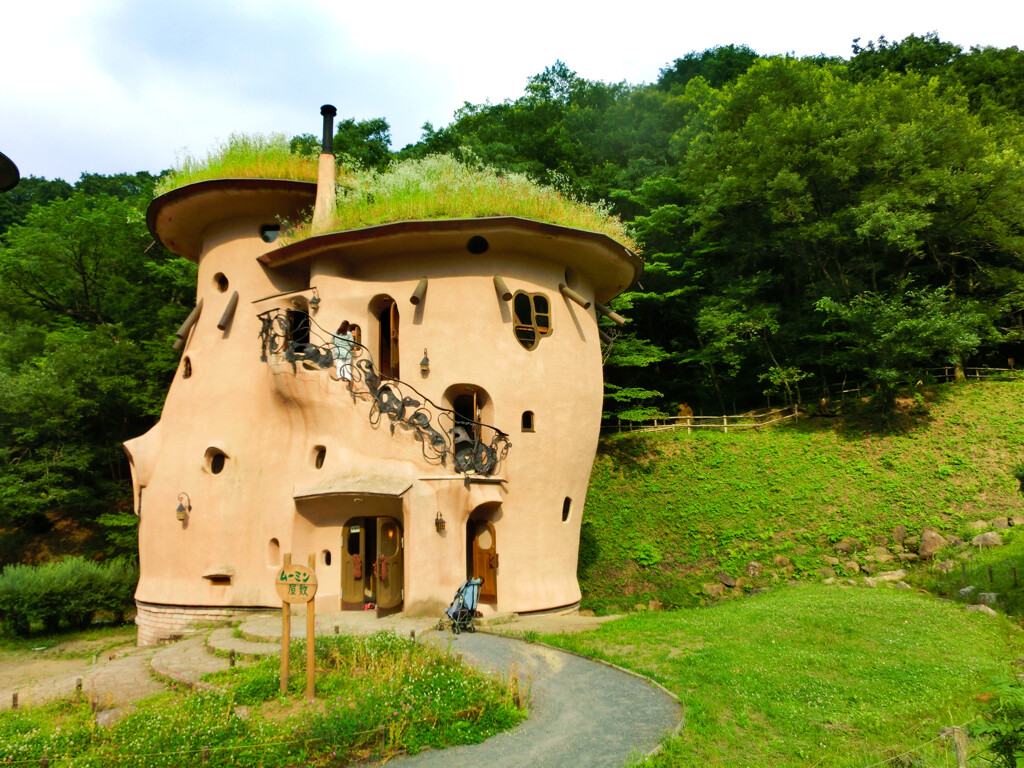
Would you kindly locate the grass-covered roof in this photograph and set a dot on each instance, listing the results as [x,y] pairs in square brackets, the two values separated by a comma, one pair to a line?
[435,187]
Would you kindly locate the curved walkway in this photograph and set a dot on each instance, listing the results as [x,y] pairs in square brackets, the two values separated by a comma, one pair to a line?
[583,714]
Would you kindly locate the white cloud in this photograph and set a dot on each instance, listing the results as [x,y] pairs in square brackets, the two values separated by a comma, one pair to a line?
[112,85]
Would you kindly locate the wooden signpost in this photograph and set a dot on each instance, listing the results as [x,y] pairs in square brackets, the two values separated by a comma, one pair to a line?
[297,584]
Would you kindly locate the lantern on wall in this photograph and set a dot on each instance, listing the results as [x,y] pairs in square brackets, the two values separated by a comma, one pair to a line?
[439,522]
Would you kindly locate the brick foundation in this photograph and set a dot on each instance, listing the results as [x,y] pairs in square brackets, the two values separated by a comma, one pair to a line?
[163,622]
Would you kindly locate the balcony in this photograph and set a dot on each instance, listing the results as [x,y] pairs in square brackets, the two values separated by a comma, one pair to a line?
[471,447]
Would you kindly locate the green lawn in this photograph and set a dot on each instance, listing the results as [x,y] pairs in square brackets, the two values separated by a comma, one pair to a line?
[813,675]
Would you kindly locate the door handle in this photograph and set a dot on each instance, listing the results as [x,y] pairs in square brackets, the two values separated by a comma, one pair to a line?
[383,574]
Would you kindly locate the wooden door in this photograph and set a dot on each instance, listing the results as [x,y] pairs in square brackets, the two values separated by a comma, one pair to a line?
[485,561]
[394,339]
[388,567]
[354,568]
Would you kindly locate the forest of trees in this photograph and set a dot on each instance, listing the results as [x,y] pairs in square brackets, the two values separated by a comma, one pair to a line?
[803,222]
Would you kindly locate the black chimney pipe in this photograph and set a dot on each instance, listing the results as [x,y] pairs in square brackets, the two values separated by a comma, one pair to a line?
[328,111]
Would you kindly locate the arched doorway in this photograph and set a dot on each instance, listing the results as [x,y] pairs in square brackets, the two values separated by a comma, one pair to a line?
[387,348]
[482,552]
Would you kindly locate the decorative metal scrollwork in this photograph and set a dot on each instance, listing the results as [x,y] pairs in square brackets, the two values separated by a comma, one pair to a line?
[473,447]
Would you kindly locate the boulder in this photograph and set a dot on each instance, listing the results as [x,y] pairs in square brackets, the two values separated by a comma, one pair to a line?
[781,561]
[867,581]
[892,575]
[654,604]
[754,569]
[846,546]
[831,560]
[899,533]
[827,573]
[955,541]
[980,609]
[869,567]
[851,567]
[882,555]
[880,540]
[713,589]
[990,539]
[977,525]
[966,593]
[725,579]
[908,557]
[988,598]
[901,585]
[1000,523]
[911,543]
[1017,520]
[829,581]
[931,542]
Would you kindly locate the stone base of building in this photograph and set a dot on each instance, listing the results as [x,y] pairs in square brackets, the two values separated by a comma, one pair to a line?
[159,622]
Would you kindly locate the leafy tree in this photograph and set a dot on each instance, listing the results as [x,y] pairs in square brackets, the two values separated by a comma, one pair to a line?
[718,66]
[893,338]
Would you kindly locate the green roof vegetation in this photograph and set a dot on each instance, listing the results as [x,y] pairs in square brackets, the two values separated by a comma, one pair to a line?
[441,187]
[243,156]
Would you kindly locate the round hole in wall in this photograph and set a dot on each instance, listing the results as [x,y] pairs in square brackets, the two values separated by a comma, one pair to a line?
[477,245]
[273,553]
[325,557]
[215,460]
[269,232]
[319,454]
[186,368]
[221,281]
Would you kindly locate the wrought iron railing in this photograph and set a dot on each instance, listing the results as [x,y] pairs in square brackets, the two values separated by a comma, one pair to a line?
[472,446]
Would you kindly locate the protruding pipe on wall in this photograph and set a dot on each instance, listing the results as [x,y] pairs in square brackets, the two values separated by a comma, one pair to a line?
[229,312]
[604,336]
[182,332]
[420,292]
[569,293]
[503,292]
[615,317]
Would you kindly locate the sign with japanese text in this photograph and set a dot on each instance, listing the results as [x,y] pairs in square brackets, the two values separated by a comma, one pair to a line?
[296,584]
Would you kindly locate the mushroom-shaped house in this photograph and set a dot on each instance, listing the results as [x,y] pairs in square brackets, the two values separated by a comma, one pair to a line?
[408,405]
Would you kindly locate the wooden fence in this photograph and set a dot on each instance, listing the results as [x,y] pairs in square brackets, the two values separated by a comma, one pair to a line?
[691,423]
[791,412]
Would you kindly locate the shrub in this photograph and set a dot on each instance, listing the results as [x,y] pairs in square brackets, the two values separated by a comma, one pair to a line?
[68,592]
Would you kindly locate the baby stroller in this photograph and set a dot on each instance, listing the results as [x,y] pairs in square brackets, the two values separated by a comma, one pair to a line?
[462,611]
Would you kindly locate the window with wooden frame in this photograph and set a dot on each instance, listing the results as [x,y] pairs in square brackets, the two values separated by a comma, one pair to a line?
[532,318]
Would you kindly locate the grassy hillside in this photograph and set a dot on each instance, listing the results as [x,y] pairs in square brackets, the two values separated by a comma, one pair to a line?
[667,511]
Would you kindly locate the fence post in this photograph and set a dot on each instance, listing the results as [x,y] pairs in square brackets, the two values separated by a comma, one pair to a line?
[960,745]
[725,424]
[963,573]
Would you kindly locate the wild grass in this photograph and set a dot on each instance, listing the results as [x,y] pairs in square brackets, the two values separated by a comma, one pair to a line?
[375,696]
[441,187]
[242,156]
[813,675]
[666,512]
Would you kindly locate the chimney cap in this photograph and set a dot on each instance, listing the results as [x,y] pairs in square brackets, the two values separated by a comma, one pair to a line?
[328,110]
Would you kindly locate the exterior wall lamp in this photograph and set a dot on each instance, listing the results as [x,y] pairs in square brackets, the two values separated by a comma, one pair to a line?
[314,303]
[439,522]
[184,505]
[425,364]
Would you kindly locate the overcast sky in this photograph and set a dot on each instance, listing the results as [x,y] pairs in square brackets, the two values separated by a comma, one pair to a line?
[105,86]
